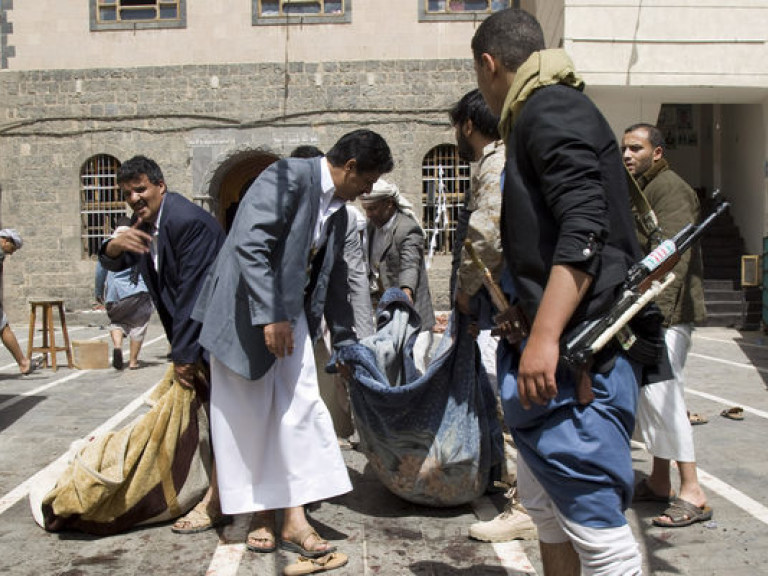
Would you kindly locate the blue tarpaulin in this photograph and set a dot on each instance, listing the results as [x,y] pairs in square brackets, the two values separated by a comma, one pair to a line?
[431,438]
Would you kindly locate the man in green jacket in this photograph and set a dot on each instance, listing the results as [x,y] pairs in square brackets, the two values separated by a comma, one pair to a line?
[661,413]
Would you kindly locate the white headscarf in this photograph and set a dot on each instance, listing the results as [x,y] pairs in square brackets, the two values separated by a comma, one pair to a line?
[383,190]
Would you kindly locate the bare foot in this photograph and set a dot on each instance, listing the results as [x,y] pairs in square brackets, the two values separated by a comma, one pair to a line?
[262,536]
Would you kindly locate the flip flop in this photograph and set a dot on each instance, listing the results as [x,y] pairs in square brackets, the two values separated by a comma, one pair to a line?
[311,565]
[298,546]
[696,419]
[643,493]
[683,513]
[199,521]
[735,413]
[34,365]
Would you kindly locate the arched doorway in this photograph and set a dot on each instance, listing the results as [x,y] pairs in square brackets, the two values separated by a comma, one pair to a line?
[233,178]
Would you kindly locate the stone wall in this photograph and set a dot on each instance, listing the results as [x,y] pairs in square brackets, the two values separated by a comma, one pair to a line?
[189,118]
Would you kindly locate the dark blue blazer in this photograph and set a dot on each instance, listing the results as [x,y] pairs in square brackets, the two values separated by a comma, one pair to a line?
[189,240]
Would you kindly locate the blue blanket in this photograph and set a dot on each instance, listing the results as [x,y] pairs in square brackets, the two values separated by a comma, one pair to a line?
[432,439]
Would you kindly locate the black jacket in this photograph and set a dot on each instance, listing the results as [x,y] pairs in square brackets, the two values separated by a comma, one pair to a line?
[565,200]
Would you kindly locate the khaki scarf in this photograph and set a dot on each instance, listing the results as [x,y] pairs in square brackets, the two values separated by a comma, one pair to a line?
[542,68]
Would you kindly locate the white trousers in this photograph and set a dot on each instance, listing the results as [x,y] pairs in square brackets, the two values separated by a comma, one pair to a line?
[602,551]
[273,438]
[661,412]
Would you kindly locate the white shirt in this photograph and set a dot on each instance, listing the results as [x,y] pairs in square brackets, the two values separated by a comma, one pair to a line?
[153,245]
[329,204]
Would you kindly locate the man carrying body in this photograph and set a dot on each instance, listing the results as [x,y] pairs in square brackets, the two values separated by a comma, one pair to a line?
[477,138]
[333,387]
[280,271]
[568,242]
[10,241]
[396,257]
[661,413]
[173,242]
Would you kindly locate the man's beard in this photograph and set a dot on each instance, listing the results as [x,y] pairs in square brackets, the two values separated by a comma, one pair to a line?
[466,152]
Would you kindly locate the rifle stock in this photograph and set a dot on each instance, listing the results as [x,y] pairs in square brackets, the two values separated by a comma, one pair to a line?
[510,320]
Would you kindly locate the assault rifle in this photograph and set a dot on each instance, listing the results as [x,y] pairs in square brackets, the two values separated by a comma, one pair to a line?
[645,280]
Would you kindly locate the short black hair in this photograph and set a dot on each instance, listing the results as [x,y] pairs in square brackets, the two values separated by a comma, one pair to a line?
[138,165]
[472,106]
[306,151]
[366,147]
[655,137]
[510,35]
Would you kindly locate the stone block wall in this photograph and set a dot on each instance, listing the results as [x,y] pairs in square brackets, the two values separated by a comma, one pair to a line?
[188,118]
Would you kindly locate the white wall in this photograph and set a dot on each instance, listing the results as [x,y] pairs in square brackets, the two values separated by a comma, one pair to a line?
[743,180]
[669,42]
[55,34]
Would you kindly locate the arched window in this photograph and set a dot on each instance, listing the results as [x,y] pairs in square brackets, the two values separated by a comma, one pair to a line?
[101,202]
[444,180]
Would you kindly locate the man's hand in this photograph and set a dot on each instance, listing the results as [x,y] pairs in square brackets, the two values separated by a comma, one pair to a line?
[186,374]
[409,293]
[345,370]
[536,375]
[278,337]
[129,240]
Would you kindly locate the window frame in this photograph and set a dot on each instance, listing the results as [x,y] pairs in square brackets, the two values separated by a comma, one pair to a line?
[464,16]
[97,178]
[258,20]
[179,22]
[456,182]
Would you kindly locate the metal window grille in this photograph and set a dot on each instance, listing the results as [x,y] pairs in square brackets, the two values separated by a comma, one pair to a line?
[278,8]
[463,6]
[444,180]
[101,202]
[137,10]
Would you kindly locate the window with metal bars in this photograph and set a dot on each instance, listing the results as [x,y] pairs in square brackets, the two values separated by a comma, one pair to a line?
[444,179]
[461,9]
[133,14]
[309,11]
[101,202]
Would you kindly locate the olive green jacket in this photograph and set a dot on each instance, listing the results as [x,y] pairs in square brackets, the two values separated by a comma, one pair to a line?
[675,204]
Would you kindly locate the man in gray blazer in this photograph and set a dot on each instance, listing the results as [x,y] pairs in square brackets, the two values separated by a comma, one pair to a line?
[279,272]
[396,255]
[333,387]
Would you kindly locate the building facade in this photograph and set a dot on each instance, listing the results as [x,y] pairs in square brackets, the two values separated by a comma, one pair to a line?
[217,90]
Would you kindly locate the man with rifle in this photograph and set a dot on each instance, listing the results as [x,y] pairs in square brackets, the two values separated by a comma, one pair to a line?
[661,414]
[568,241]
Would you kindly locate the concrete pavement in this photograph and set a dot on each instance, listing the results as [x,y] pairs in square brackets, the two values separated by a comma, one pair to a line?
[42,414]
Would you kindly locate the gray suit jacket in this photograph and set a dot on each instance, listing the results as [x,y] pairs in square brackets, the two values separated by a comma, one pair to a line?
[262,274]
[357,266]
[402,264]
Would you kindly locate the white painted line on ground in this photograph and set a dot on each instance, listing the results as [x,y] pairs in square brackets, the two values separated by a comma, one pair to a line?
[60,463]
[730,341]
[511,554]
[729,362]
[231,548]
[727,402]
[750,506]
[18,398]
